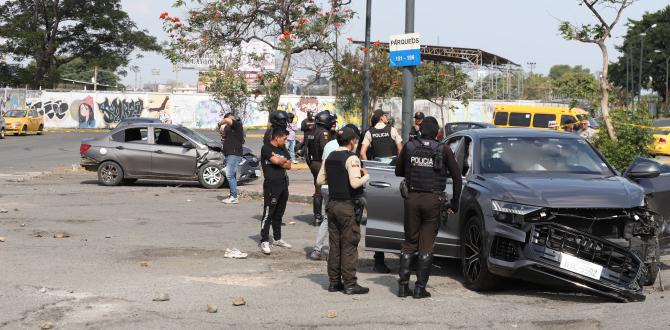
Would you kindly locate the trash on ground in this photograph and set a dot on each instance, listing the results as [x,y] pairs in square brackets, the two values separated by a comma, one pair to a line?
[61,235]
[43,290]
[331,314]
[4,211]
[2,239]
[239,301]
[144,264]
[162,297]
[46,325]
[212,308]
[235,254]
[291,222]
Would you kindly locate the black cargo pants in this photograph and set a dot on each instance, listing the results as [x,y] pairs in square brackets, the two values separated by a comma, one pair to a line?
[275,197]
[344,234]
[422,219]
[315,167]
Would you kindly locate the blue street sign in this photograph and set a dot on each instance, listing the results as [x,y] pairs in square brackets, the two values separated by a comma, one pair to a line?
[405,50]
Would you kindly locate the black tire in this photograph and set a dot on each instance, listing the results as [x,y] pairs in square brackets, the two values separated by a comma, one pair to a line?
[110,174]
[211,176]
[129,181]
[24,131]
[40,131]
[474,263]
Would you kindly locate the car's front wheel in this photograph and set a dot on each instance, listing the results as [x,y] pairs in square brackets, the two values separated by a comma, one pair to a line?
[24,131]
[474,264]
[211,176]
[40,131]
[110,174]
[2,133]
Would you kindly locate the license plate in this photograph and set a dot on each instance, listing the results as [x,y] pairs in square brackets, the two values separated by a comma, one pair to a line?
[581,266]
[258,173]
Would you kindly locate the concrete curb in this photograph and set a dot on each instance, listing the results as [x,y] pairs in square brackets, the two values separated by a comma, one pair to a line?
[22,176]
[292,198]
[76,130]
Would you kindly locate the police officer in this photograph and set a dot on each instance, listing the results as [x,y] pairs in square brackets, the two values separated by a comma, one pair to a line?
[418,119]
[345,177]
[278,119]
[425,164]
[383,138]
[322,134]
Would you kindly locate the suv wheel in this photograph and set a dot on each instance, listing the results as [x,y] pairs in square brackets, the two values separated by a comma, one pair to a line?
[211,176]
[474,263]
[110,174]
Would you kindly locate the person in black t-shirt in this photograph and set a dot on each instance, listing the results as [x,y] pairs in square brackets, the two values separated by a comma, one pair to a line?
[275,160]
[232,149]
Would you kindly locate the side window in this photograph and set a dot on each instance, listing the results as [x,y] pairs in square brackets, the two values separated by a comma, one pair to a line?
[454,142]
[500,118]
[519,119]
[566,120]
[458,127]
[136,135]
[543,120]
[119,136]
[467,164]
[167,137]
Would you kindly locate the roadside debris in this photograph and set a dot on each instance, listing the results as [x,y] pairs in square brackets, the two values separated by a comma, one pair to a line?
[331,314]
[239,301]
[108,236]
[188,200]
[4,211]
[212,308]
[144,264]
[291,222]
[235,254]
[61,235]
[162,297]
[43,290]
[23,225]
[46,325]
[2,239]
[16,210]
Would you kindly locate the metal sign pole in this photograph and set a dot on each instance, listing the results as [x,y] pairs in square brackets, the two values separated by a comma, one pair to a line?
[408,77]
[366,69]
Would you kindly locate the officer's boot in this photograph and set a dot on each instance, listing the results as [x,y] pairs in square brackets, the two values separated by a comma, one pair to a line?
[404,273]
[422,274]
[317,203]
[380,265]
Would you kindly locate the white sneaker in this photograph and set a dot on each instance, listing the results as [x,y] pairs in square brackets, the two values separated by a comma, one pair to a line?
[230,200]
[283,244]
[265,247]
[295,162]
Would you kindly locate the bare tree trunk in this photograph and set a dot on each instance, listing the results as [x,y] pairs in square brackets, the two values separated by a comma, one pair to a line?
[604,88]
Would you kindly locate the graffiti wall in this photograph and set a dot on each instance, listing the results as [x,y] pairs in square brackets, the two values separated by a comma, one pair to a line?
[199,111]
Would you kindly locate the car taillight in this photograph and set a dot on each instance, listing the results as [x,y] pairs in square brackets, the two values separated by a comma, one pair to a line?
[661,140]
[84,148]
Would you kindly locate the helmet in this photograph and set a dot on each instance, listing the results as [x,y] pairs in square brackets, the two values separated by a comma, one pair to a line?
[325,119]
[278,118]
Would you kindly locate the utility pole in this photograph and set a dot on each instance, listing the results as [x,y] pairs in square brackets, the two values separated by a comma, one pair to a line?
[408,77]
[95,78]
[532,66]
[366,68]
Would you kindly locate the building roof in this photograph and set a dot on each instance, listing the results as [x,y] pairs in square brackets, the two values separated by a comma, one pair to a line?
[456,55]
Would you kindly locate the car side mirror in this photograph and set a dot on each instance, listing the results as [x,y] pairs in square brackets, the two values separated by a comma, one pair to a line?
[643,171]
[188,145]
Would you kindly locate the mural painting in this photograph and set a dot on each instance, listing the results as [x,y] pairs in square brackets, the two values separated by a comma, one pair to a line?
[120,108]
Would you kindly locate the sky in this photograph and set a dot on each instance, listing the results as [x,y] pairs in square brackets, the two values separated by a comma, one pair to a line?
[520,30]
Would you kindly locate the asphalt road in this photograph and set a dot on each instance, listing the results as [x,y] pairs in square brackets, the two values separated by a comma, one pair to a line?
[129,244]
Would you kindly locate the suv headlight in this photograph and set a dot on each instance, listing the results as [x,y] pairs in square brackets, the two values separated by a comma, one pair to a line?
[514,213]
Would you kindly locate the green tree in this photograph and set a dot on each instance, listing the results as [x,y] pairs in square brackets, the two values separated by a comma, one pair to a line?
[440,84]
[78,69]
[55,32]
[557,71]
[577,85]
[598,34]
[229,89]
[385,81]
[656,53]
[635,136]
[537,87]
[287,26]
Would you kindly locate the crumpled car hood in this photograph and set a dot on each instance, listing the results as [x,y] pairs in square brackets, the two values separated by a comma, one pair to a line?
[564,191]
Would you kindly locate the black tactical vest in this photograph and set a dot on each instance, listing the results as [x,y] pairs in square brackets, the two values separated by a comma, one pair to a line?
[314,147]
[382,142]
[424,174]
[338,177]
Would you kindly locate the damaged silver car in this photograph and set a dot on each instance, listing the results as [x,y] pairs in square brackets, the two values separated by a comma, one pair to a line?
[161,152]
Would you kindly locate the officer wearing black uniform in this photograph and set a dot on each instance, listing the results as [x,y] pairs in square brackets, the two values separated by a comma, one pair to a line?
[418,119]
[425,164]
[278,119]
[316,142]
[346,178]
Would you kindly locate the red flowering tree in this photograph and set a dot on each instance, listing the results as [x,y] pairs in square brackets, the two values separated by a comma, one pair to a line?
[288,26]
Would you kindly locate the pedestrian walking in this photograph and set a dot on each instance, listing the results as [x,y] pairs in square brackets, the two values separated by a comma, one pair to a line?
[292,128]
[274,161]
[233,141]
[343,173]
[322,134]
[425,164]
[322,233]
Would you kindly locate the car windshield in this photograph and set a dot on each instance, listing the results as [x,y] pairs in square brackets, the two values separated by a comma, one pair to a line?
[541,155]
[194,135]
[16,113]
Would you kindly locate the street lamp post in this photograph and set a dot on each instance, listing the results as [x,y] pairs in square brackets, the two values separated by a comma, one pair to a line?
[667,88]
[642,35]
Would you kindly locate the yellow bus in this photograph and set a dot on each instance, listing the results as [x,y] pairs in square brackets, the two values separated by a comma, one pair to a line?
[538,117]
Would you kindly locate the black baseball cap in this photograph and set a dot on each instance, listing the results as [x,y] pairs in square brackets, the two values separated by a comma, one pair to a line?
[419,115]
[379,113]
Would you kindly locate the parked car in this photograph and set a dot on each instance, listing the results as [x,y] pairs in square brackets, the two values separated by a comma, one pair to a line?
[458,126]
[3,127]
[137,120]
[661,145]
[538,117]
[163,152]
[24,121]
[542,206]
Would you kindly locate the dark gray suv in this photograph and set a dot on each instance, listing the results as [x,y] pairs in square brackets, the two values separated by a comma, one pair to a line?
[542,206]
[161,151]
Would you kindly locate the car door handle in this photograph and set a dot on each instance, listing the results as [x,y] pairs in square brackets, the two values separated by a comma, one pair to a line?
[159,151]
[120,147]
[380,184]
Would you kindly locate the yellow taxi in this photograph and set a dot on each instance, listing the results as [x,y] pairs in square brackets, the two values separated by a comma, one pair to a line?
[24,121]
[661,144]
[539,117]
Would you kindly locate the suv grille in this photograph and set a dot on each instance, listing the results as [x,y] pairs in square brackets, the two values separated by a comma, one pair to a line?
[612,257]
